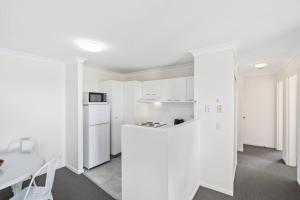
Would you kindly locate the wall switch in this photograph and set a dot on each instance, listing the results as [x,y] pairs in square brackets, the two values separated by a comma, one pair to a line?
[207,108]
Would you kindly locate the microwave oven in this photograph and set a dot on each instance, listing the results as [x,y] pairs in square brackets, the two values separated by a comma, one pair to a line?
[94,98]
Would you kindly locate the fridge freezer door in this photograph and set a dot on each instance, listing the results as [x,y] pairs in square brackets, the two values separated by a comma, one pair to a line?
[99,144]
[99,114]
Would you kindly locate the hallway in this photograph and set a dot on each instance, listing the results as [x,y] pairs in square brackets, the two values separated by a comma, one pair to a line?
[260,175]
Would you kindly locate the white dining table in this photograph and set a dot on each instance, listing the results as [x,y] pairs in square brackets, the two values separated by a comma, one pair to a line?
[18,167]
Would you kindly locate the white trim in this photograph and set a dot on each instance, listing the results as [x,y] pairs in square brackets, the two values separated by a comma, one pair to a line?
[194,193]
[217,188]
[298,181]
[187,65]
[30,56]
[234,171]
[76,171]
[241,149]
[216,48]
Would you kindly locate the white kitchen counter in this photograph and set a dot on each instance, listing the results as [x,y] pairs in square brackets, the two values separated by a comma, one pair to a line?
[160,163]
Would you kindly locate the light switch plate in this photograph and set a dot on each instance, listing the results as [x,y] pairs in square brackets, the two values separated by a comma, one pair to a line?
[207,108]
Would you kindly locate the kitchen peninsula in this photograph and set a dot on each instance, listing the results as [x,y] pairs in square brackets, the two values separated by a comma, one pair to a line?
[160,163]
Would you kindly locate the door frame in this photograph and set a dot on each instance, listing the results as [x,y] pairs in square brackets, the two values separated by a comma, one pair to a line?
[279,114]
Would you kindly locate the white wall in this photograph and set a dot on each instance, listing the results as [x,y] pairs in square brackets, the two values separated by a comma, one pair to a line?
[92,76]
[259,102]
[167,112]
[298,129]
[214,81]
[74,120]
[32,102]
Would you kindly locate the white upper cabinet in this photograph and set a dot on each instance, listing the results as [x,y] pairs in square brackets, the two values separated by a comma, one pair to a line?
[169,90]
[177,89]
[151,89]
[190,88]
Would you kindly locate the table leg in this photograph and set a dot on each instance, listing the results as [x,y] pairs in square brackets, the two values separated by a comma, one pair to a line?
[16,188]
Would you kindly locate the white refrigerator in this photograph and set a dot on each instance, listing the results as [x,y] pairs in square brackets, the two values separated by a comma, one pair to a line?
[96,134]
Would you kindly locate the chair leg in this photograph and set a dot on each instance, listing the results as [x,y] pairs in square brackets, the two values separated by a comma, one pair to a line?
[17,188]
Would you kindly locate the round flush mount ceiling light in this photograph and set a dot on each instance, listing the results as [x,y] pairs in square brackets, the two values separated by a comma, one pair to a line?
[91,46]
[261,65]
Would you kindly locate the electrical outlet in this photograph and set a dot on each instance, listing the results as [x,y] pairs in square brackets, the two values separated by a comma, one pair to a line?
[219,108]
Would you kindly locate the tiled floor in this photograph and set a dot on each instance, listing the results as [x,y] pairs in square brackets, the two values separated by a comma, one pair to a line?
[108,177]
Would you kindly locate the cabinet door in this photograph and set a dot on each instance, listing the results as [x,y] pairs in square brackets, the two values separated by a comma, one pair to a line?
[99,144]
[151,89]
[190,88]
[178,89]
[166,88]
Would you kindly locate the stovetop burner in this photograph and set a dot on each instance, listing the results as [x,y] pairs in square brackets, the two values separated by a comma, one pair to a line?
[152,124]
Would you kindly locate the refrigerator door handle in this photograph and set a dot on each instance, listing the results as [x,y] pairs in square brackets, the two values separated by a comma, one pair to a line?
[100,123]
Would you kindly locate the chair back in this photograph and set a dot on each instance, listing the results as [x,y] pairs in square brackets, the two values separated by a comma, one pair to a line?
[50,166]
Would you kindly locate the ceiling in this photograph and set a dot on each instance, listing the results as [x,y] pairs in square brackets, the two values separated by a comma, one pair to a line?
[142,34]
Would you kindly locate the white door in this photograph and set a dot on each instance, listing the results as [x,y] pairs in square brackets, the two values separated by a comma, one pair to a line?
[279,115]
[260,111]
[99,114]
[99,144]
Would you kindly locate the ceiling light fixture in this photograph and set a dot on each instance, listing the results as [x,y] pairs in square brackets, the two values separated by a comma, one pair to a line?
[261,65]
[91,46]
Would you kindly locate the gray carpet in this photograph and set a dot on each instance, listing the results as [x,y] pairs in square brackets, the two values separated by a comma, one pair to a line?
[69,186]
[261,175]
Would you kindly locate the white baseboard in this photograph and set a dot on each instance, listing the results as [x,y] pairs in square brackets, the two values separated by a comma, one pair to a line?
[234,171]
[299,181]
[216,188]
[194,193]
[241,150]
[76,171]
[261,145]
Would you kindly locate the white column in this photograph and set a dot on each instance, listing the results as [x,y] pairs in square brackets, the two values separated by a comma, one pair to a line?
[298,127]
[214,69]
[74,131]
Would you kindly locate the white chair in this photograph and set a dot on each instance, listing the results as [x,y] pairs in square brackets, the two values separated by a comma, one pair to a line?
[34,192]
[24,145]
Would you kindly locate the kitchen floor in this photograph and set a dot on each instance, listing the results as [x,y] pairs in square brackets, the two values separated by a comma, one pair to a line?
[108,177]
